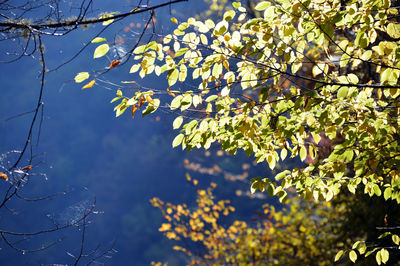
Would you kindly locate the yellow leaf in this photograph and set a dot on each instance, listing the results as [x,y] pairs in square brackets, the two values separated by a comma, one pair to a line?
[82,76]
[89,85]
[165,227]
[101,50]
[174,20]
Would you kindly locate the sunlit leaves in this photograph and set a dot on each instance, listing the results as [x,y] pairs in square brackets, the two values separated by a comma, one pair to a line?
[387,193]
[134,68]
[315,80]
[353,256]
[82,76]
[339,255]
[177,122]
[108,15]
[101,50]
[229,15]
[393,29]
[172,76]
[382,256]
[232,243]
[176,102]
[177,140]
[89,85]
[98,39]
[262,6]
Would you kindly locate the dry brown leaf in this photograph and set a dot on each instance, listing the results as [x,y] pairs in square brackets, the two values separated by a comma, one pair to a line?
[114,63]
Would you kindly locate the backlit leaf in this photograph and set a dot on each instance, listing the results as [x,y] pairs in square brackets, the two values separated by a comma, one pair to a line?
[101,50]
[172,76]
[384,255]
[82,76]
[3,176]
[174,20]
[177,140]
[98,39]
[339,255]
[89,85]
[353,256]
[262,6]
[177,122]
[303,153]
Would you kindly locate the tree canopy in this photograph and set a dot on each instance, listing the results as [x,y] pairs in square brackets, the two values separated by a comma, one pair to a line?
[313,79]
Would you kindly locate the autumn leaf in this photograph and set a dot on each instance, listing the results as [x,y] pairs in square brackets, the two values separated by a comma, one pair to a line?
[174,20]
[3,176]
[89,85]
[27,168]
[165,227]
[134,109]
[141,102]
[170,92]
[114,63]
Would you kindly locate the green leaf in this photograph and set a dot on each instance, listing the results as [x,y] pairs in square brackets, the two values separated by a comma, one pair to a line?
[236,4]
[396,239]
[355,245]
[388,193]
[134,68]
[177,122]
[353,79]
[393,29]
[384,255]
[211,98]
[351,188]
[384,235]
[353,256]
[81,76]
[377,190]
[270,190]
[151,107]
[229,15]
[98,39]
[262,6]
[186,102]
[108,15]
[339,255]
[271,161]
[140,49]
[378,257]
[177,140]
[176,102]
[342,92]
[283,154]
[172,76]
[101,50]
[303,153]
[361,39]
[181,52]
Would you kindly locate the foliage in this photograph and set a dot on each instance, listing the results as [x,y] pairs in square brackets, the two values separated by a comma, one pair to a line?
[284,237]
[299,75]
